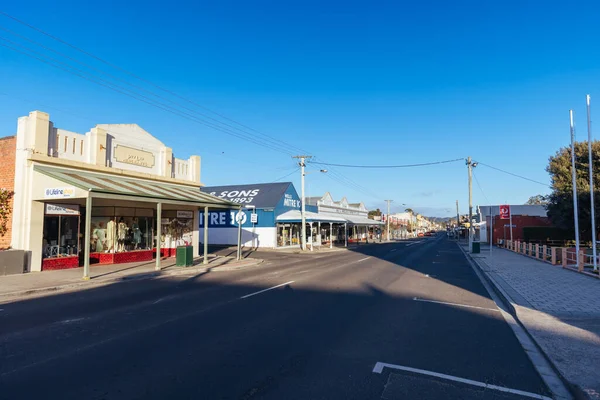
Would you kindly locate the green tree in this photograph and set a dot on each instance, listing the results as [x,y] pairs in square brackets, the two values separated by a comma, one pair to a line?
[537,200]
[5,209]
[374,213]
[560,201]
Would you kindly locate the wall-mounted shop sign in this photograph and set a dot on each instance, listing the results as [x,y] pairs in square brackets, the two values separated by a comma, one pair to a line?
[224,219]
[185,214]
[129,155]
[62,209]
[59,193]
[289,201]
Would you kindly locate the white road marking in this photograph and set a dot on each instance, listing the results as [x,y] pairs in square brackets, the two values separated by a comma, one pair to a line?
[70,321]
[363,259]
[265,290]
[393,249]
[378,369]
[454,304]
[413,243]
[303,272]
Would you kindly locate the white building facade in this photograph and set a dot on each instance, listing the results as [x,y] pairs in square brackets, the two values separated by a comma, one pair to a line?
[113,194]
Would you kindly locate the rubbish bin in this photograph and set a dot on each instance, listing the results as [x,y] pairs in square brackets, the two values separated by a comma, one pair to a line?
[184,256]
[476,247]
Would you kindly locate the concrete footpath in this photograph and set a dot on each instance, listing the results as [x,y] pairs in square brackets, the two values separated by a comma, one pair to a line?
[39,283]
[559,308]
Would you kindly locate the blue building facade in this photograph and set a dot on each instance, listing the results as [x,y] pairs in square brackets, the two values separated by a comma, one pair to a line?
[261,204]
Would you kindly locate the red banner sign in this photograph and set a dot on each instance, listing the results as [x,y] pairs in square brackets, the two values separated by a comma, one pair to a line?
[505,211]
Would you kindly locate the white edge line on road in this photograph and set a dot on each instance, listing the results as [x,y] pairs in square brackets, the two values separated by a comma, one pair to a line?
[265,290]
[362,259]
[378,369]
[454,304]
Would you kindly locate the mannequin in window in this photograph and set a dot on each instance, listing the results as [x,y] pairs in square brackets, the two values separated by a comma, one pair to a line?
[111,233]
[99,236]
[137,234]
[121,234]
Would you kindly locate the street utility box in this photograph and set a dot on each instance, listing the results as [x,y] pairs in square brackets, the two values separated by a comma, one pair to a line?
[184,256]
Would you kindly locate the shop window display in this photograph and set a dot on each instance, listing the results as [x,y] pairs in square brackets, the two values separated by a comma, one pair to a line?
[118,230]
[176,230]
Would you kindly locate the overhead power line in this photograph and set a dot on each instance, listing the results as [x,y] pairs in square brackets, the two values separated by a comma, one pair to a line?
[286,175]
[515,175]
[264,135]
[387,166]
[480,188]
[238,129]
[130,93]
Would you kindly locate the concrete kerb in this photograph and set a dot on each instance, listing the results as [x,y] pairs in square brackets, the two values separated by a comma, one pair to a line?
[94,283]
[508,302]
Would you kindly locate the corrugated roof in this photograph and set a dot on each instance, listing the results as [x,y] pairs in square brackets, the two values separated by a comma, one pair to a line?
[135,187]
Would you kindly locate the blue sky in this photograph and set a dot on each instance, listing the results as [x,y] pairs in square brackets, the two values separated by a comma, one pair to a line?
[349,82]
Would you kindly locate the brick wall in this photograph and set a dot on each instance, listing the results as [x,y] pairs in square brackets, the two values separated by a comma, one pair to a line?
[521,221]
[8,148]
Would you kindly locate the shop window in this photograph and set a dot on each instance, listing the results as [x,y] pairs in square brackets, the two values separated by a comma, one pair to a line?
[61,236]
[121,229]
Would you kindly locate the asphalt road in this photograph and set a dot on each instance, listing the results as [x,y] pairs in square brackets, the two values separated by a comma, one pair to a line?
[312,326]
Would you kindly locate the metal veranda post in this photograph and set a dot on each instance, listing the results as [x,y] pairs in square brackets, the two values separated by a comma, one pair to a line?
[205,261]
[86,237]
[158,234]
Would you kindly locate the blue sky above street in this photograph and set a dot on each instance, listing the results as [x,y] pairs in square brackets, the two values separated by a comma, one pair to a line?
[348,82]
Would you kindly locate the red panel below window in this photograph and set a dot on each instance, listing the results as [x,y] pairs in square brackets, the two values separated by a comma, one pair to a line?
[51,264]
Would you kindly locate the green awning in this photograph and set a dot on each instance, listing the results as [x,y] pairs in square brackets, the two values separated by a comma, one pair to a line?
[133,187]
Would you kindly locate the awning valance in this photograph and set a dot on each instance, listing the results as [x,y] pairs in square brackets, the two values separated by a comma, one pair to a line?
[296,216]
[358,220]
[134,187]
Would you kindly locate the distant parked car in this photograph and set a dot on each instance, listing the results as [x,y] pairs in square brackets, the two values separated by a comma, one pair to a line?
[427,233]
[420,234]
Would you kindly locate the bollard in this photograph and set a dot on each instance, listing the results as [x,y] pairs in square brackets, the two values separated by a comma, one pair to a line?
[553,255]
[564,257]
